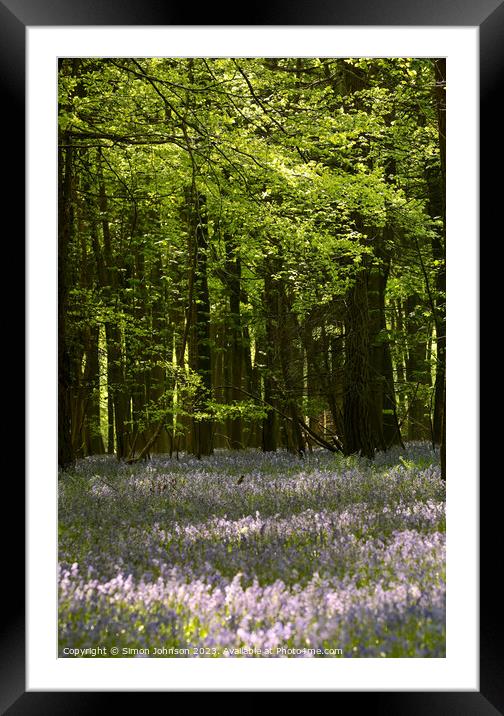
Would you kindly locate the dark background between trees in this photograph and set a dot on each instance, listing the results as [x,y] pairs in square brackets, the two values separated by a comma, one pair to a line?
[251,254]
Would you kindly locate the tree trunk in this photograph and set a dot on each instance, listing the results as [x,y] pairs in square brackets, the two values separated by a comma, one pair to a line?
[437,202]
[89,438]
[158,383]
[291,365]
[312,383]
[115,359]
[443,440]
[252,429]
[417,373]
[200,344]
[376,353]
[384,414]
[65,219]
[92,437]
[235,344]
[399,360]
[269,423]
[358,437]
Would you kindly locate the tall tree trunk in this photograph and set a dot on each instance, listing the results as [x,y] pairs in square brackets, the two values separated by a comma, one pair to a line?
[417,372]
[95,445]
[399,354]
[235,352]
[443,440]
[115,360]
[335,371]
[89,439]
[384,413]
[269,423]
[436,210]
[200,344]
[291,365]
[78,394]
[312,382]
[358,437]
[252,380]
[161,336]
[391,427]
[438,250]
[65,219]
[140,387]
[101,271]
[376,354]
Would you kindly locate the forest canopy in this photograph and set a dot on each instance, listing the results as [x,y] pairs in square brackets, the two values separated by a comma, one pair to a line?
[251,254]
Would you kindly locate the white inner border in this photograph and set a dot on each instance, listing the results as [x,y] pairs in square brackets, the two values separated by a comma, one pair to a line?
[459,671]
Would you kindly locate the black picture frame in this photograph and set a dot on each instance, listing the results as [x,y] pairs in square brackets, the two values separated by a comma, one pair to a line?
[15,17]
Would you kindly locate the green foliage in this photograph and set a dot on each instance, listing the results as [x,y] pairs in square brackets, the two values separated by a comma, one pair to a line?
[317,169]
[246,409]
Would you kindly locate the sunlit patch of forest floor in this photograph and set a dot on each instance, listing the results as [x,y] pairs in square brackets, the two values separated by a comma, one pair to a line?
[254,554]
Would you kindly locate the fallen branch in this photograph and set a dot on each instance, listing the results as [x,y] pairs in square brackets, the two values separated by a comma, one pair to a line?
[318,439]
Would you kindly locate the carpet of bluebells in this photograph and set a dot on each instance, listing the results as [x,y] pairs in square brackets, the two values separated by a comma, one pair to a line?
[319,556]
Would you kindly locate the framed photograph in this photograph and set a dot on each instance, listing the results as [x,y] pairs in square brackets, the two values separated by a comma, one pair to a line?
[127,67]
